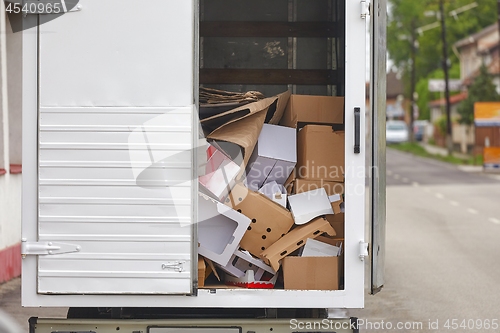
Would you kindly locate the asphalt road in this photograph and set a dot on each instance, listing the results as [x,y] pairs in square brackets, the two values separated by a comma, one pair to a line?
[442,250]
[442,254]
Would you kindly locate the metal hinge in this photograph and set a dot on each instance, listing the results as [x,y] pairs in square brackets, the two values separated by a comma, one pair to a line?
[177,266]
[365,9]
[363,250]
[46,248]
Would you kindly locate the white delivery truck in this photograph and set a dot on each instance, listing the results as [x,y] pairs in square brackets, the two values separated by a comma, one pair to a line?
[111,97]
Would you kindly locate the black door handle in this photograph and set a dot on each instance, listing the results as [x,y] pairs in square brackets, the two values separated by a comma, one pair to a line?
[357,134]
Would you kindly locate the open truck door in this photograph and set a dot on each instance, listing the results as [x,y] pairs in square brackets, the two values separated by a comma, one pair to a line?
[377,170]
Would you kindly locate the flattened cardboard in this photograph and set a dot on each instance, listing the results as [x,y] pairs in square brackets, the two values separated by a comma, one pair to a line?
[311,273]
[313,110]
[220,173]
[320,154]
[241,262]
[273,158]
[331,188]
[295,239]
[307,205]
[269,220]
[220,230]
[242,125]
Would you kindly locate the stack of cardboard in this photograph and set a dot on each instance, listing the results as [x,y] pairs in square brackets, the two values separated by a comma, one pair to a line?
[282,188]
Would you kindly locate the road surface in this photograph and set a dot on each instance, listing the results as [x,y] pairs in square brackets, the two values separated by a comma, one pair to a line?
[442,253]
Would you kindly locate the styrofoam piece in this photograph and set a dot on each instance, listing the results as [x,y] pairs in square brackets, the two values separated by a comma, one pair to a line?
[315,248]
[306,206]
[242,261]
[220,229]
[275,192]
[250,281]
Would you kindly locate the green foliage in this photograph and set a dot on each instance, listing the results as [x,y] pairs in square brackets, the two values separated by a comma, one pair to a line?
[425,96]
[481,90]
[440,124]
[418,150]
[407,15]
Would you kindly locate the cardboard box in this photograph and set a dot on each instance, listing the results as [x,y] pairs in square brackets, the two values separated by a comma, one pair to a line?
[220,230]
[311,273]
[269,220]
[331,188]
[295,239]
[320,154]
[313,110]
[273,158]
[220,173]
[337,222]
[306,206]
[202,268]
[336,241]
[275,192]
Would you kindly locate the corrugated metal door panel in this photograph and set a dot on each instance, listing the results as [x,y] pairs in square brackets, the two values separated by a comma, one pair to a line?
[115,138]
[127,234]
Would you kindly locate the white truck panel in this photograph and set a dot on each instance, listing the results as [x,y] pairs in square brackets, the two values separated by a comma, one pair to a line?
[85,184]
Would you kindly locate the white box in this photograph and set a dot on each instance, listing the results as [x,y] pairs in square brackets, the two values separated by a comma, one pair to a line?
[307,205]
[220,230]
[242,261]
[275,192]
[274,156]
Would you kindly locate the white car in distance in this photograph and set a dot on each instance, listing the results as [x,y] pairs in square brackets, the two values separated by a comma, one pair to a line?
[396,131]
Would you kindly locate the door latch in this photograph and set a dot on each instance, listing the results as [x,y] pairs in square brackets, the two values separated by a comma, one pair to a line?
[365,9]
[177,266]
[363,250]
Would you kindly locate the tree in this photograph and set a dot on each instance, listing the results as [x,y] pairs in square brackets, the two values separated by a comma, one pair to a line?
[481,90]
[405,16]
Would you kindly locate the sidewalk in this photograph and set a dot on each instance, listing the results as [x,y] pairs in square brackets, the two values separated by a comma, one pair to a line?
[436,150]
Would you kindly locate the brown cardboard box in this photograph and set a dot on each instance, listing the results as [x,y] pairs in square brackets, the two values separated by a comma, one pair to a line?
[270,221]
[303,185]
[202,268]
[320,154]
[335,241]
[313,109]
[205,268]
[295,239]
[311,273]
[337,222]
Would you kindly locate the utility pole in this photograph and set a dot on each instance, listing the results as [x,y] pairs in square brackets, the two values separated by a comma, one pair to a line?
[413,41]
[449,142]
[498,10]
